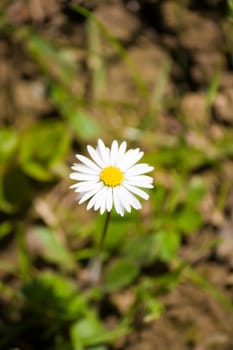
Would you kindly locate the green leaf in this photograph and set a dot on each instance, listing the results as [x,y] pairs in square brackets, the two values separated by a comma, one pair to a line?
[162,284]
[140,250]
[179,156]
[167,244]
[43,146]
[88,328]
[54,251]
[120,274]
[47,300]
[84,329]
[14,190]
[108,336]
[62,287]
[5,228]
[196,191]
[188,220]
[8,143]
[81,123]
[153,307]
[158,196]
[90,332]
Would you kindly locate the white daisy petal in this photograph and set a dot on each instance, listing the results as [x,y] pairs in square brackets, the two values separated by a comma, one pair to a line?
[84,169]
[91,202]
[114,152]
[103,151]
[103,205]
[95,156]
[101,200]
[137,191]
[87,162]
[135,203]
[139,169]
[86,195]
[83,177]
[130,158]
[85,186]
[142,178]
[109,199]
[95,199]
[121,153]
[102,209]
[123,161]
[138,183]
[74,186]
[117,203]
[132,200]
[124,199]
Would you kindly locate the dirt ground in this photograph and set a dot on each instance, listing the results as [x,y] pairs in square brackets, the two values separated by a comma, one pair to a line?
[193,42]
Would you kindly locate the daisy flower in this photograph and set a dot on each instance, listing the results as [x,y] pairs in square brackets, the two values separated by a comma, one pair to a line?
[111,178]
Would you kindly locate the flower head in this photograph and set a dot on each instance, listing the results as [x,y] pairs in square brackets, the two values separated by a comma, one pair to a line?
[111,178]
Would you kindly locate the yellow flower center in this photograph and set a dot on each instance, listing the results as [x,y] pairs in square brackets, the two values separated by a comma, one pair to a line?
[111,176]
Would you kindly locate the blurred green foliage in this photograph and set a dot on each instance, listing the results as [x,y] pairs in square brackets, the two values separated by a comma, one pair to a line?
[53,307]
[43,148]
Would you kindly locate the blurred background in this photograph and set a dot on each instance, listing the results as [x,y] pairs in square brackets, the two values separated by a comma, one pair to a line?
[158,74]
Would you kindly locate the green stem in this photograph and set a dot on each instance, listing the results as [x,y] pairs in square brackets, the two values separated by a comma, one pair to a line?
[95,265]
[104,233]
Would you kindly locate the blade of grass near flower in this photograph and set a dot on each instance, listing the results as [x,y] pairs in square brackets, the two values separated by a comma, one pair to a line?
[95,59]
[24,261]
[139,82]
[212,90]
[208,287]
[156,99]
[53,250]
[61,71]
